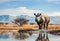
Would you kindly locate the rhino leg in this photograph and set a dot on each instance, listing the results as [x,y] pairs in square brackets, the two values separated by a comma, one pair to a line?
[47,26]
[44,26]
[40,26]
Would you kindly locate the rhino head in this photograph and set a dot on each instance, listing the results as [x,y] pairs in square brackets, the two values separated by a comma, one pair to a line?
[37,15]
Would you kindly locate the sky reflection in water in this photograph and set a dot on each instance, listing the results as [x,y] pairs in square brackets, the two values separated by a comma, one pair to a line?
[28,36]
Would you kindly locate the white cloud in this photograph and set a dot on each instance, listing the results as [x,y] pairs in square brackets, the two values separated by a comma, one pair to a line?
[55,14]
[18,11]
[3,0]
[53,0]
[24,11]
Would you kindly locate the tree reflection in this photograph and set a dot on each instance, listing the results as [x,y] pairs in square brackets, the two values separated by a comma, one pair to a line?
[43,37]
[22,35]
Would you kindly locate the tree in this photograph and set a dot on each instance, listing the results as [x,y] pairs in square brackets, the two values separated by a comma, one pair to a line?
[32,23]
[21,21]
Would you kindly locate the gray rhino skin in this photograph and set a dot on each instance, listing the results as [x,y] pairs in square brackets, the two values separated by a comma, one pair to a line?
[42,20]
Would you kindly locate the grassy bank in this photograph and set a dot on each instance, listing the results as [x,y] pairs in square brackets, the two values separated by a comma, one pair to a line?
[26,27]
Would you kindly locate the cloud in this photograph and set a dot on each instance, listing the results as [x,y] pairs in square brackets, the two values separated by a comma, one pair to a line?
[24,11]
[1,1]
[53,0]
[54,14]
[18,11]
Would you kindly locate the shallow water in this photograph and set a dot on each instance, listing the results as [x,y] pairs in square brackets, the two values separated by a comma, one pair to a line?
[27,36]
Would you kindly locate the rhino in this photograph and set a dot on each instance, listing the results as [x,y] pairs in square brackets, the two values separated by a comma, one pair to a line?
[42,20]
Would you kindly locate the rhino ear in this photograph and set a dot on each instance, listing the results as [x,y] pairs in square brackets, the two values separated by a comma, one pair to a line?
[35,14]
[40,13]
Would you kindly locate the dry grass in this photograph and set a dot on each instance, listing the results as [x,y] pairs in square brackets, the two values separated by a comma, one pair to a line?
[54,26]
[26,27]
[16,27]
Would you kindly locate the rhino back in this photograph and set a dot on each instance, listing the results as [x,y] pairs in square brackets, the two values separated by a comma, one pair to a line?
[46,18]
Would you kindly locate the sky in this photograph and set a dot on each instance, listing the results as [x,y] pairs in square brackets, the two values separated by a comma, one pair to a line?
[28,7]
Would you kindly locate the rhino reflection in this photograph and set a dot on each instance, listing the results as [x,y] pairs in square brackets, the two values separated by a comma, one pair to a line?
[22,35]
[43,37]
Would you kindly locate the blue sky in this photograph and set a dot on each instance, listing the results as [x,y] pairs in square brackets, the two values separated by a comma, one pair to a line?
[28,7]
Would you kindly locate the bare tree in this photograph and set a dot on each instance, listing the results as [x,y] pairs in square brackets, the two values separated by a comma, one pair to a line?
[21,21]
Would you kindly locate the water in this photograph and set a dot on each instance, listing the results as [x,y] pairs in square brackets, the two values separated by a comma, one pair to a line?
[27,36]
